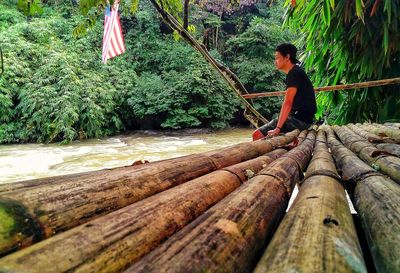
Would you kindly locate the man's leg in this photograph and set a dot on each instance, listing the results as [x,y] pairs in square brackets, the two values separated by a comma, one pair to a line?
[293,123]
[263,130]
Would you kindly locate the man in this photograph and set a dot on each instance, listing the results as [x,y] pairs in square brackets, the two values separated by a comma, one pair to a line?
[299,106]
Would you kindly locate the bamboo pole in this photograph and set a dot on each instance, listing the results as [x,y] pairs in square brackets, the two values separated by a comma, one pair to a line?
[111,242]
[373,138]
[381,131]
[388,146]
[376,199]
[387,164]
[318,233]
[228,237]
[394,125]
[329,88]
[60,203]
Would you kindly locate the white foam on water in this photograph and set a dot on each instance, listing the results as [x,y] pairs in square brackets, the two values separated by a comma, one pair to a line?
[28,161]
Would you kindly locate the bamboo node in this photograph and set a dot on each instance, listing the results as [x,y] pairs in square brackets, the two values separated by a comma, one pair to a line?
[329,173]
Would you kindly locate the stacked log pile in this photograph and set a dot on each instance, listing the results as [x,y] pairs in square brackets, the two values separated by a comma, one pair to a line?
[219,211]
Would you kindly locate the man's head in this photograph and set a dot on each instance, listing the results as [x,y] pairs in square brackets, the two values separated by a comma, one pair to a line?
[285,56]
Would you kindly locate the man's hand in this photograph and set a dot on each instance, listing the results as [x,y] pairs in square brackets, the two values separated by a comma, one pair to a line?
[274,132]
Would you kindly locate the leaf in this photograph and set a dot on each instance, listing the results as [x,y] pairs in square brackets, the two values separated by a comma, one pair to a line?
[332,4]
[385,38]
[360,9]
[134,6]
[192,28]
[327,13]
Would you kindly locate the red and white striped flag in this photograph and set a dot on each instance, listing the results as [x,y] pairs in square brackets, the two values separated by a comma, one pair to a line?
[113,41]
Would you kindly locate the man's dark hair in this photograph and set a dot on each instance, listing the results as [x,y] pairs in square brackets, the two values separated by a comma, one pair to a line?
[286,49]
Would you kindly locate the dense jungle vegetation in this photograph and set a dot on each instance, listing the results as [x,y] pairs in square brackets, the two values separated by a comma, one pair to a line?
[54,87]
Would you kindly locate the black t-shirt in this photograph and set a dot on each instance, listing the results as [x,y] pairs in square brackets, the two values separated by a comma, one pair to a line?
[304,105]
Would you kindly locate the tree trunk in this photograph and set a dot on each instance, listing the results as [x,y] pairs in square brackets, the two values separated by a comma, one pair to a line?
[230,78]
[318,233]
[229,236]
[387,164]
[185,14]
[376,200]
[112,242]
[38,209]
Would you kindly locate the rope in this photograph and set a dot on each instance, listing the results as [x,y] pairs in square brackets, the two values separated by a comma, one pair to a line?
[329,88]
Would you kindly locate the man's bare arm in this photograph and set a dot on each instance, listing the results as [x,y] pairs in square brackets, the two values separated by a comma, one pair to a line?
[285,110]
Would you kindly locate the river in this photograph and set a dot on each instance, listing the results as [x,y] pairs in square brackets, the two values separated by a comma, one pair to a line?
[28,161]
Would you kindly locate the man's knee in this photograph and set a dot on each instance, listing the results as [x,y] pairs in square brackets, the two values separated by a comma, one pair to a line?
[257,135]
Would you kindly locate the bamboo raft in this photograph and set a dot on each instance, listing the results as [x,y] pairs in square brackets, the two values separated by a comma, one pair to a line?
[219,211]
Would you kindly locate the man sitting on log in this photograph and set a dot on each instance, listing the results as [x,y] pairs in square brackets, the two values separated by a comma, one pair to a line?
[299,105]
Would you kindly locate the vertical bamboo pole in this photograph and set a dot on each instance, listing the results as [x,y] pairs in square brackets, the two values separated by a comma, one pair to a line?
[228,237]
[376,201]
[318,233]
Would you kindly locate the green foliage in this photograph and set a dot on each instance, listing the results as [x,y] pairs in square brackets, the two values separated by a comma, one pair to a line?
[178,88]
[251,55]
[53,91]
[55,88]
[352,41]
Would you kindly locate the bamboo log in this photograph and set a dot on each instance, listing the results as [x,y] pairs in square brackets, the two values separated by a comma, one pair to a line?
[388,146]
[376,201]
[60,203]
[329,88]
[228,237]
[387,164]
[111,242]
[373,138]
[381,131]
[394,125]
[318,233]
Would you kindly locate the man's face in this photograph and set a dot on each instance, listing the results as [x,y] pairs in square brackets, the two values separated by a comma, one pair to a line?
[280,60]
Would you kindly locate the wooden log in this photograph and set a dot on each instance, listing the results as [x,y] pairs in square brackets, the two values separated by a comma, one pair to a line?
[376,198]
[229,236]
[61,203]
[318,233]
[387,164]
[111,242]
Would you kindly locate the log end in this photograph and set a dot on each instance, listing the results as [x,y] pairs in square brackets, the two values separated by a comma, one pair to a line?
[18,228]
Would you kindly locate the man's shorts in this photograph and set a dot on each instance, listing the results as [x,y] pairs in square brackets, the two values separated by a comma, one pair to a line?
[291,124]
